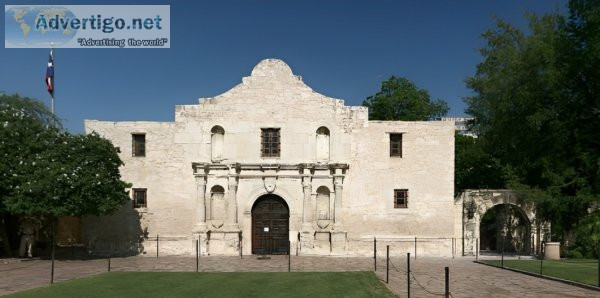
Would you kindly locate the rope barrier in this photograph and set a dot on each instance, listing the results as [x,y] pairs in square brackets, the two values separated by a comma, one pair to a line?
[414,278]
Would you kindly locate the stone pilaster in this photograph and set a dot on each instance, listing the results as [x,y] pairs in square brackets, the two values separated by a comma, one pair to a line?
[232,218]
[338,180]
[200,203]
[307,217]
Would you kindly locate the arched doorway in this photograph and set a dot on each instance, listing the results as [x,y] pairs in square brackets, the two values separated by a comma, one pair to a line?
[505,227]
[270,225]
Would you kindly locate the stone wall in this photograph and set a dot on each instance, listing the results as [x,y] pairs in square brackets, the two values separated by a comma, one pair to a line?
[360,175]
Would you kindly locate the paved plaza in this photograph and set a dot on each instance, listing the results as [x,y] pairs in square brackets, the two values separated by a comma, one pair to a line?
[467,279]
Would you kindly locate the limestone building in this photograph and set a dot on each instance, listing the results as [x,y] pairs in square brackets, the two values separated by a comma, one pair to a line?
[272,166]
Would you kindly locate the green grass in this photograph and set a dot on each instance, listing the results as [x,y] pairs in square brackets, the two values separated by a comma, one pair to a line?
[180,284]
[583,271]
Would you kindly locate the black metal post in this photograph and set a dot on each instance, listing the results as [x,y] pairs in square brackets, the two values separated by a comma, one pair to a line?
[157,246]
[599,271]
[447,289]
[240,244]
[197,260]
[502,260]
[52,253]
[109,264]
[289,256]
[415,248]
[477,249]
[375,252]
[408,274]
[387,266]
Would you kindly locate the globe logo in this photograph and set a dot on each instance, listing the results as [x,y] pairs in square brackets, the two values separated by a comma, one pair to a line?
[20,26]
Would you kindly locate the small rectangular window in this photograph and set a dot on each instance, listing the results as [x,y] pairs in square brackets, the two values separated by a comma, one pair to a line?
[396,144]
[139,198]
[270,142]
[138,144]
[401,198]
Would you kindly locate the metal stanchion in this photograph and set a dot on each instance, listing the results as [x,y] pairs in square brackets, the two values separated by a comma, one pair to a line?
[387,266]
[415,248]
[447,289]
[52,252]
[477,249]
[502,260]
[408,274]
[157,246]
[197,252]
[109,264]
[375,252]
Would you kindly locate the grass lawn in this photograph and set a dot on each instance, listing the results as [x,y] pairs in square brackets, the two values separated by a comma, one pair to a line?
[237,284]
[583,271]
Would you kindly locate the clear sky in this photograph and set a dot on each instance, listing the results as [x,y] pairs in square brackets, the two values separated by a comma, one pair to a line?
[343,49]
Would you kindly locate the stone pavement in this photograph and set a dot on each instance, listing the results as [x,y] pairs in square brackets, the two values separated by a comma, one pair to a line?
[467,279]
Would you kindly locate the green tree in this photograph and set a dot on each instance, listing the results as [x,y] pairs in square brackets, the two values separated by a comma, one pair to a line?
[400,99]
[536,103]
[47,172]
[474,167]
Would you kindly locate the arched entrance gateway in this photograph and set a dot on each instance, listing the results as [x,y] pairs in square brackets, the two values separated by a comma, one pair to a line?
[270,226]
[505,227]
[498,220]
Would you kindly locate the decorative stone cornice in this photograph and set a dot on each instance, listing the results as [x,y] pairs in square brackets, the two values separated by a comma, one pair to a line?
[204,168]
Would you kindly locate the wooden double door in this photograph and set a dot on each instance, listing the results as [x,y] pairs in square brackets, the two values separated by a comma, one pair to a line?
[270,226]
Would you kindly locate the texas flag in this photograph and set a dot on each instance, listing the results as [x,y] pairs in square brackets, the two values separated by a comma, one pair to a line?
[50,73]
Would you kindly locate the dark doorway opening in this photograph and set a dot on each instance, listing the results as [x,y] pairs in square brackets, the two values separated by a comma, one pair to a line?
[505,228]
[270,226]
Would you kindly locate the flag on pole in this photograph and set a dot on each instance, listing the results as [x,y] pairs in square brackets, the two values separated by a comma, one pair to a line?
[50,73]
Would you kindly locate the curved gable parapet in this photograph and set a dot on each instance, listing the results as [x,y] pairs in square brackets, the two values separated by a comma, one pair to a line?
[272,86]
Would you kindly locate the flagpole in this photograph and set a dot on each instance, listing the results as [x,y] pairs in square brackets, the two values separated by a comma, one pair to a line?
[53,80]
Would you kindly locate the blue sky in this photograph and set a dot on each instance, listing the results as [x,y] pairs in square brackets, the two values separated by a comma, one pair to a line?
[343,49]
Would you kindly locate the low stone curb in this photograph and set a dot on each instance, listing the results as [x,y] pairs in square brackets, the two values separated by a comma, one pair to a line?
[569,282]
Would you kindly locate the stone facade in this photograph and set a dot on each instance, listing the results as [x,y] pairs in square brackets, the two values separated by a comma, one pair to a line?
[205,171]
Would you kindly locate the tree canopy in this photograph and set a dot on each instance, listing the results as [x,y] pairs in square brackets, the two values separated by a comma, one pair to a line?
[400,99]
[49,172]
[537,107]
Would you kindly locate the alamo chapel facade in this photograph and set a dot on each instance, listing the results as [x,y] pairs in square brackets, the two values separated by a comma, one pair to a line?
[272,167]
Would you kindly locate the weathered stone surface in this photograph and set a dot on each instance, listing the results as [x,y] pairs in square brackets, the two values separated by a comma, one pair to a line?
[360,175]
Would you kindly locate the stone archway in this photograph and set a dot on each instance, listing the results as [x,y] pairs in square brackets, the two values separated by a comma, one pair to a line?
[476,203]
[270,225]
[505,228]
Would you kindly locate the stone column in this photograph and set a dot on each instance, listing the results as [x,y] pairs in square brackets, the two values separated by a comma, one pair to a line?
[338,235]
[232,197]
[307,218]
[338,180]
[200,203]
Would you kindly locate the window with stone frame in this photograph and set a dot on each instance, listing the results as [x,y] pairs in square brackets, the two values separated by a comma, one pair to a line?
[139,198]
[270,142]
[400,198]
[395,144]
[138,144]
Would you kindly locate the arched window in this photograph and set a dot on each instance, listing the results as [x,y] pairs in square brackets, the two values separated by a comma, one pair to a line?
[322,144]
[217,202]
[323,203]
[216,143]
